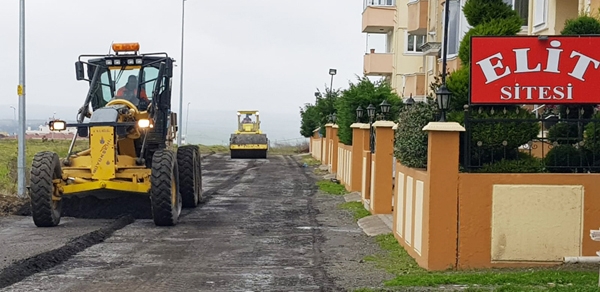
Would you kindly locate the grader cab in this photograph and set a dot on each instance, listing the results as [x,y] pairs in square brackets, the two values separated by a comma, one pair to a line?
[130,130]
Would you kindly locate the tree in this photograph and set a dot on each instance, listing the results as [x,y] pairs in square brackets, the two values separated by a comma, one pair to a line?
[362,93]
[325,105]
[310,120]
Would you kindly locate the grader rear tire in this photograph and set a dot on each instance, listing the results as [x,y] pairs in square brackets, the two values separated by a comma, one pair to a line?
[164,191]
[45,168]
[190,176]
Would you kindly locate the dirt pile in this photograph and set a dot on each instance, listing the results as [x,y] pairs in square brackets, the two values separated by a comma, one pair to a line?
[12,205]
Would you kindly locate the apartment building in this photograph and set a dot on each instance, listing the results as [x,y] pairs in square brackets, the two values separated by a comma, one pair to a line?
[413,31]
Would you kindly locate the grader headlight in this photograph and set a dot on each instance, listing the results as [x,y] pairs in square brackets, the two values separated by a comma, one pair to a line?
[144,123]
[57,125]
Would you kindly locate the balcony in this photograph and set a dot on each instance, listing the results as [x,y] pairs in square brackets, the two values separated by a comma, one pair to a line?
[415,85]
[417,17]
[378,64]
[378,16]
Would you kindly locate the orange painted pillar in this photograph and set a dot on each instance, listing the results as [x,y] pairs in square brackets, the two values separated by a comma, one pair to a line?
[366,163]
[335,142]
[383,159]
[357,157]
[442,170]
[326,144]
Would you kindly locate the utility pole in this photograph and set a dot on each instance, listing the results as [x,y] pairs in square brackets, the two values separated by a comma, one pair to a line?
[21,92]
[180,124]
[187,119]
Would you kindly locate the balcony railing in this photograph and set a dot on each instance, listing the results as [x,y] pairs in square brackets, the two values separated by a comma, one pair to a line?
[379,3]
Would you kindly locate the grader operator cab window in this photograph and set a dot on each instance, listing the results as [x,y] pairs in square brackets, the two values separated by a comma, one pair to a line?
[123,83]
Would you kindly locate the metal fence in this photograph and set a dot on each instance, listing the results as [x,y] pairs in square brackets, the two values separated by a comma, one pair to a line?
[563,139]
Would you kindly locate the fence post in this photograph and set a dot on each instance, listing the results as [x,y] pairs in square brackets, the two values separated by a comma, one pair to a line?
[327,144]
[335,140]
[357,159]
[381,201]
[366,164]
[442,169]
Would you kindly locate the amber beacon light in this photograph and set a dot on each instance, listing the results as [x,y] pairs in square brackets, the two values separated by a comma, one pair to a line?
[126,47]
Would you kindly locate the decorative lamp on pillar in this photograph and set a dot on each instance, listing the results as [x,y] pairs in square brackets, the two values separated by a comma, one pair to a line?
[359,113]
[333,117]
[443,96]
[410,101]
[371,112]
[329,118]
[385,108]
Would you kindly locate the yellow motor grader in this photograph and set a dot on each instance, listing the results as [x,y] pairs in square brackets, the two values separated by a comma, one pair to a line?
[130,130]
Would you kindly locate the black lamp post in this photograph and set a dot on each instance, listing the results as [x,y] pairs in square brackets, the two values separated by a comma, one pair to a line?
[333,117]
[359,113]
[443,96]
[329,117]
[385,108]
[371,113]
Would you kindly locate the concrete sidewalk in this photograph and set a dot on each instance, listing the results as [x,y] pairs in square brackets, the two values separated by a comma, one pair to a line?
[375,224]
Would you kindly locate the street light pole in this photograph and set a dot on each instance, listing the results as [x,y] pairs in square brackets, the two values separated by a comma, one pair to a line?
[181,75]
[187,119]
[21,92]
[332,72]
[14,112]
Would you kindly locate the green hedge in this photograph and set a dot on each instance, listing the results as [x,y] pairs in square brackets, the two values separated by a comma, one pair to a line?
[362,93]
[411,141]
[524,164]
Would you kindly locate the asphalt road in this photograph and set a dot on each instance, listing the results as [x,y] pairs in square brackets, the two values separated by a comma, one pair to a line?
[258,230]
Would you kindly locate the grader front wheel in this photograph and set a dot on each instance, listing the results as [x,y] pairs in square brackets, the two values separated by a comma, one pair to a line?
[190,176]
[164,191]
[46,205]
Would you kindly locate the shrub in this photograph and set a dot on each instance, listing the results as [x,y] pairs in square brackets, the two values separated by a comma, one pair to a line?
[524,164]
[458,84]
[363,93]
[592,136]
[581,25]
[501,140]
[411,140]
[481,11]
[564,155]
[563,133]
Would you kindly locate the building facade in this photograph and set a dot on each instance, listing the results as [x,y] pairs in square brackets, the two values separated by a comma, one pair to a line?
[413,31]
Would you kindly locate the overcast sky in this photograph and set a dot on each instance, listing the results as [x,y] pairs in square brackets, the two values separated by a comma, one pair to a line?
[238,54]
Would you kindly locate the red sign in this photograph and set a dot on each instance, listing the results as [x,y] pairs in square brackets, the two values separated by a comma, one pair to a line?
[531,70]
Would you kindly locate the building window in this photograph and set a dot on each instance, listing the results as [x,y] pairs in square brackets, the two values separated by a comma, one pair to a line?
[414,43]
[521,7]
[454,36]
[539,15]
